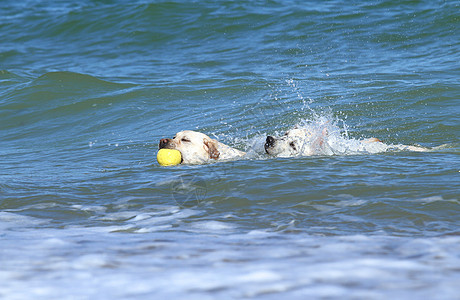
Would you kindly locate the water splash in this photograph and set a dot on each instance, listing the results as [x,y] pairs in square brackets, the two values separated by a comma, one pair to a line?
[327,135]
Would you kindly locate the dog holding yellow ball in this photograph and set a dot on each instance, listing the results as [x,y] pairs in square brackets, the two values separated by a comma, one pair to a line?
[191,147]
[169,157]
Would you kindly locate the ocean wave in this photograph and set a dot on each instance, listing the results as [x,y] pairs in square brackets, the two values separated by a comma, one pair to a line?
[56,101]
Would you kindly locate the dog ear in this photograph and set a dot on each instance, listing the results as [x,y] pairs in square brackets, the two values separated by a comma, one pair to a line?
[210,146]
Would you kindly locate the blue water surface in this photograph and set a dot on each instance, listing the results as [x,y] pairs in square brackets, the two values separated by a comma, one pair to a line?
[88,88]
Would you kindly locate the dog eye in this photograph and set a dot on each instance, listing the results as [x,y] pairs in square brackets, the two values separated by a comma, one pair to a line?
[292,144]
[185,140]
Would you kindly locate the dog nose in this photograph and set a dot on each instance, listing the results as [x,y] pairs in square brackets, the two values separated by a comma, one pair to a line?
[270,142]
[163,143]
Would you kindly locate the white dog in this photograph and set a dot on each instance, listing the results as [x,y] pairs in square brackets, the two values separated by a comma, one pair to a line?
[306,142]
[197,148]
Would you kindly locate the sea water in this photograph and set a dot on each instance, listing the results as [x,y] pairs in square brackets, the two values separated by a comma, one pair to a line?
[88,88]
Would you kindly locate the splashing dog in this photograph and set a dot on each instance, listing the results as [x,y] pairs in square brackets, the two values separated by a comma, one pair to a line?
[317,139]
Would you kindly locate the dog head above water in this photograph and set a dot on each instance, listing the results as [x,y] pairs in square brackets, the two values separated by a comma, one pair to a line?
[291,144]
[195,147]
[295,142]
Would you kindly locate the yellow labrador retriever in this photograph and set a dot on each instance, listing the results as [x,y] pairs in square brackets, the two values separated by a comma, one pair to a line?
[198,148]
[305,142]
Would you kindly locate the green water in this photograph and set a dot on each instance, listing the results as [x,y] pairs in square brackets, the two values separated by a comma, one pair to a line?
[88,89]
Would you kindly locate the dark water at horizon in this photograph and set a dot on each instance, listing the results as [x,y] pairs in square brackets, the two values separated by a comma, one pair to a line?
[88,88]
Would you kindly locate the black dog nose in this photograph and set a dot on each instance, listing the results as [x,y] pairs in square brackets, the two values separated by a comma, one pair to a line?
[270,142]
[163,143]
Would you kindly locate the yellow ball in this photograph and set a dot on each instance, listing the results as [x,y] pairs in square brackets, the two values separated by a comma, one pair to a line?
[169,157]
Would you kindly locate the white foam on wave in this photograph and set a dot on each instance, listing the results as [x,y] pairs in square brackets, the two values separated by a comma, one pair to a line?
[214,259]
[9,221]
[213,226]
